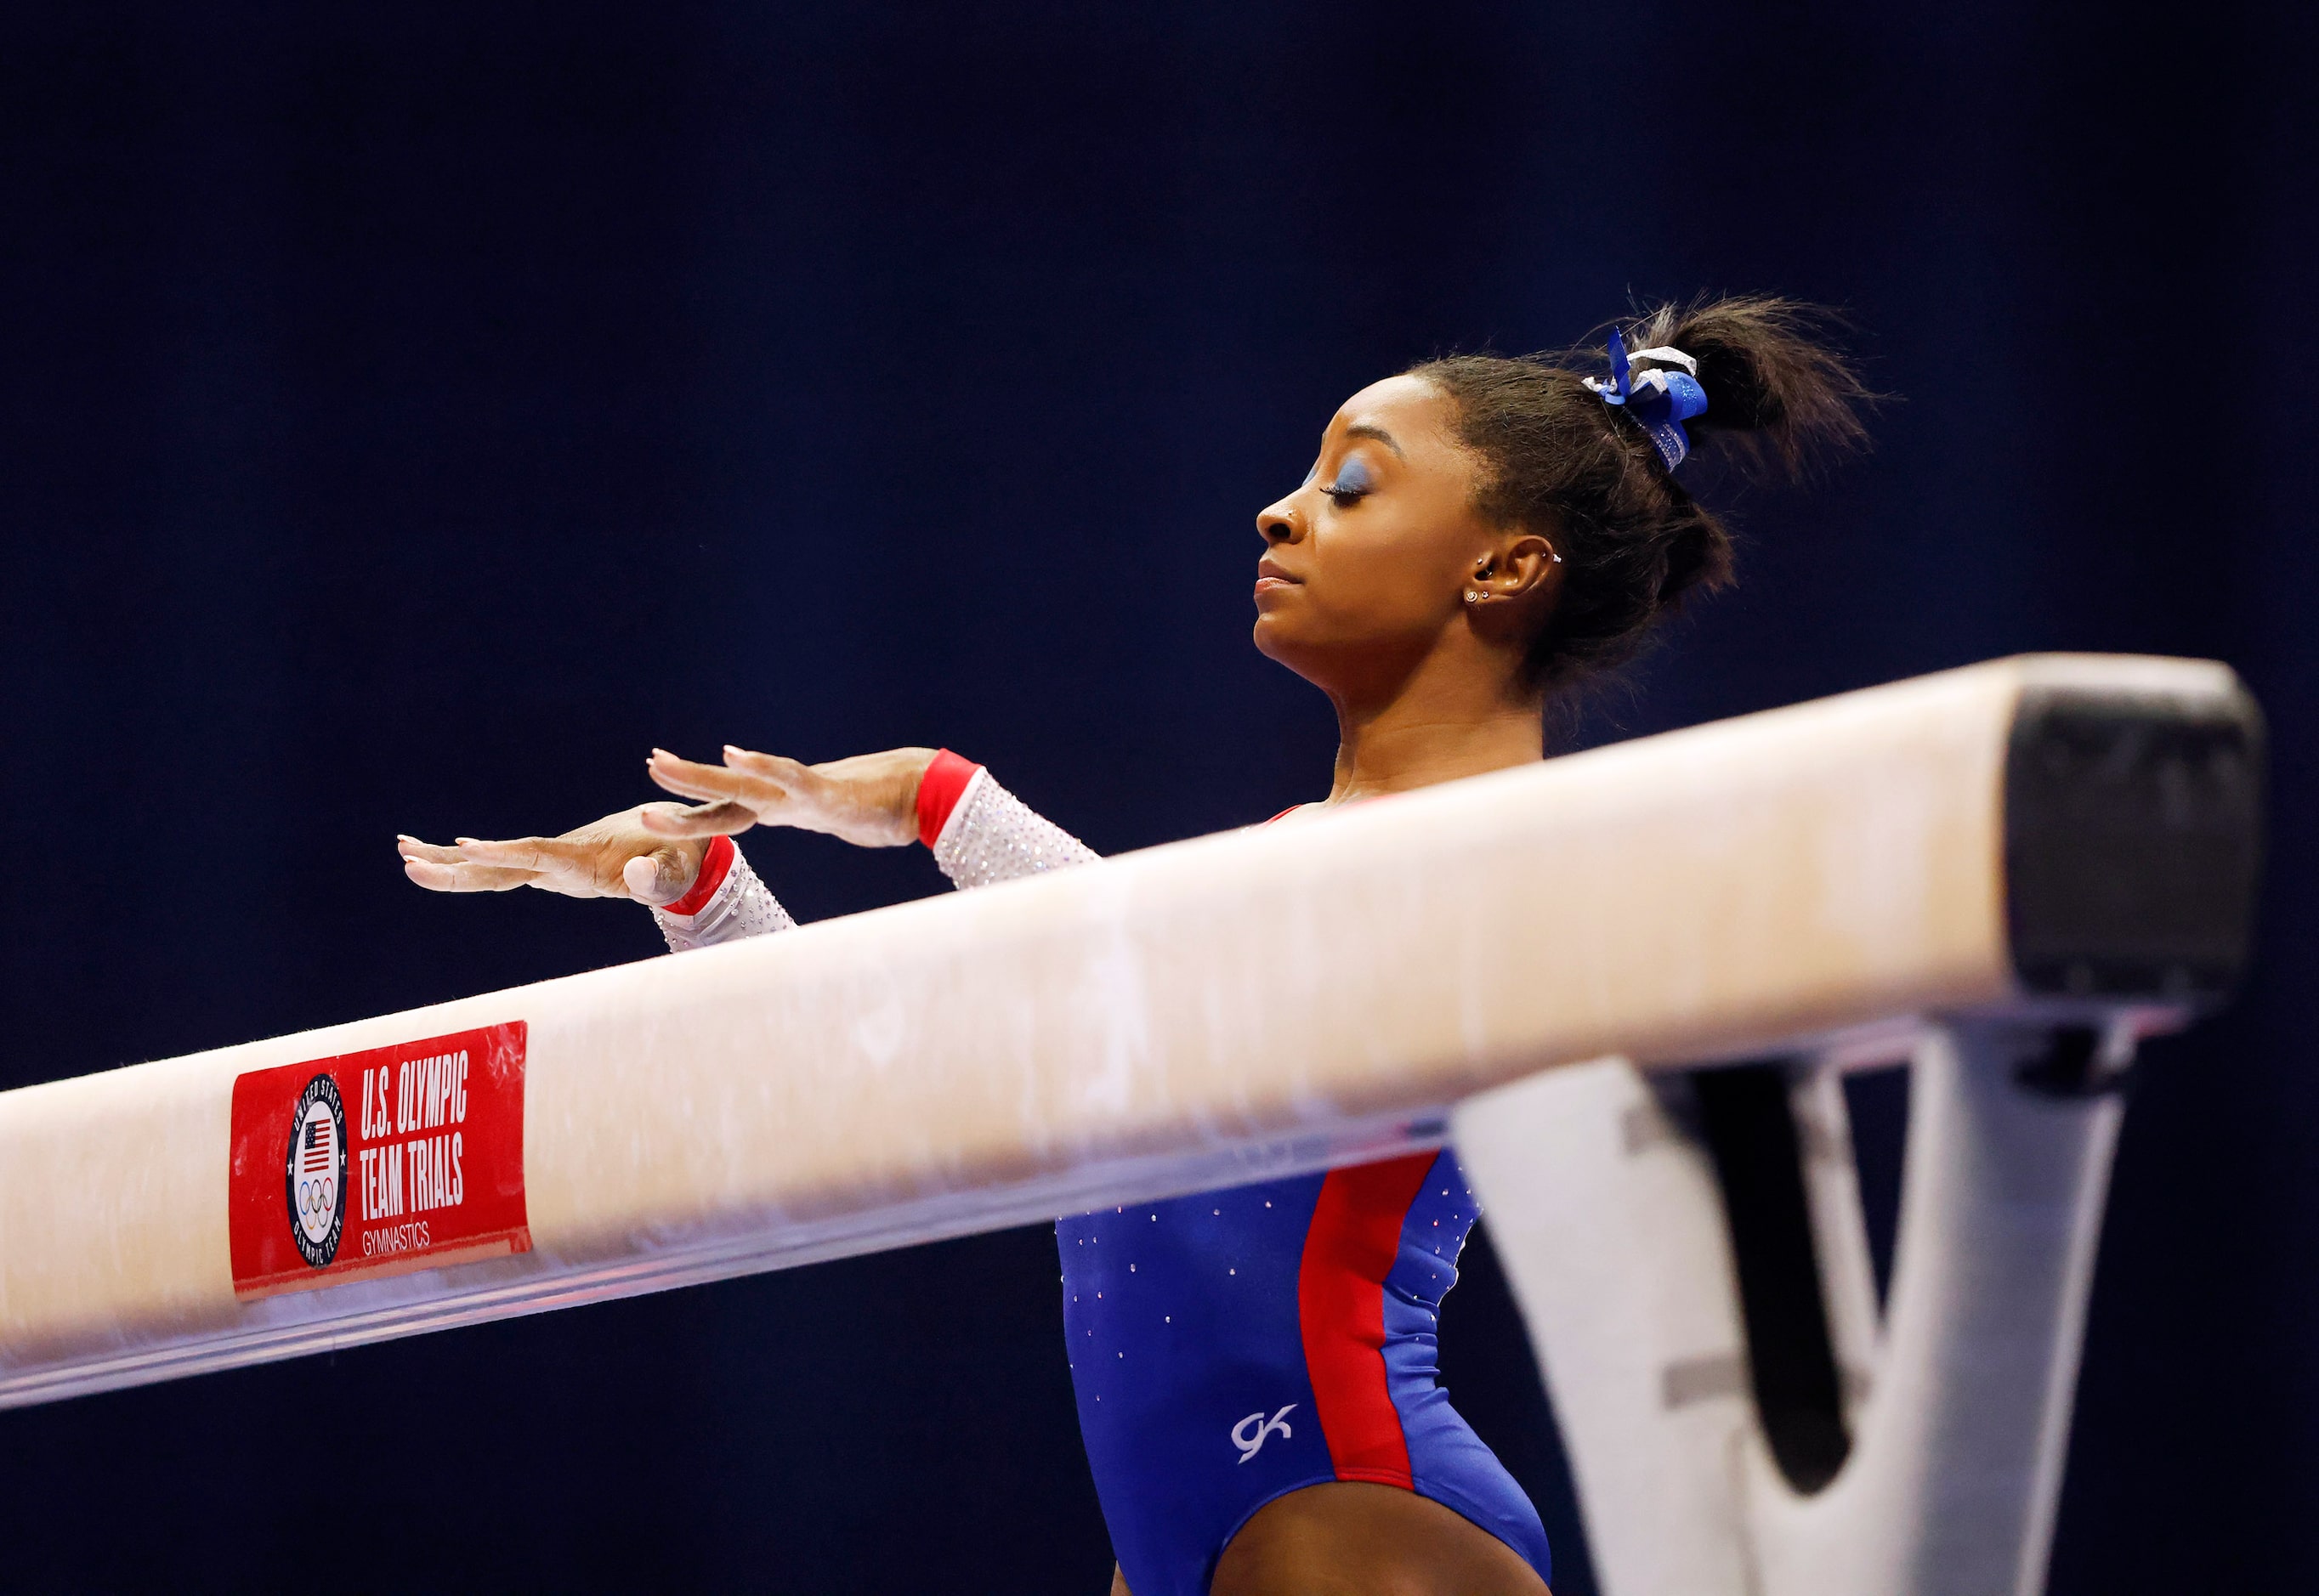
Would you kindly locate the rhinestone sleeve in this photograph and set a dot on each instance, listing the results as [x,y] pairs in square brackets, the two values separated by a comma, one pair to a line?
[742,905]
[995,836]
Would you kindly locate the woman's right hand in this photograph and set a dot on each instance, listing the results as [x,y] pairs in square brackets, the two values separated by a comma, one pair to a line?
[615,857]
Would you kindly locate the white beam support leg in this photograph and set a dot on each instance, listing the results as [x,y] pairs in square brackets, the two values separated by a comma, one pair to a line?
[1606,1205]
[1956,1471]
[1602,1205]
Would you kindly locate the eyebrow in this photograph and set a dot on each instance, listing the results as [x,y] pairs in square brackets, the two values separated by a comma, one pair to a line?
[1363,430]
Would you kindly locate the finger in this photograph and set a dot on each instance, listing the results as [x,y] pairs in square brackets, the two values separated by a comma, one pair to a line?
[710,820]
[523,853]
[660,877]
[688,780]
[433,853]
[780,770]
[464,878]
[673,771]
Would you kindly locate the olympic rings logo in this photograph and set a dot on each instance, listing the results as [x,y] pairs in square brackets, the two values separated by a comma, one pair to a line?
[317,1196]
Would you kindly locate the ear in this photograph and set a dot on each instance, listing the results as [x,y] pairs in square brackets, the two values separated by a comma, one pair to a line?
[1524,567]
[1531,564]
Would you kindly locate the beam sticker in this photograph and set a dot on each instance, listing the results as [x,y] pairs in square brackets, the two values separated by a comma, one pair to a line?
[376,1163]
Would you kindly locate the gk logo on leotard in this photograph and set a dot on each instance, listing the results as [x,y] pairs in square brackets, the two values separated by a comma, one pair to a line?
[1250,1448]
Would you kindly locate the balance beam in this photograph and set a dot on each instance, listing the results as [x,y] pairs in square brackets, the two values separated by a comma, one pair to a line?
[2065,835]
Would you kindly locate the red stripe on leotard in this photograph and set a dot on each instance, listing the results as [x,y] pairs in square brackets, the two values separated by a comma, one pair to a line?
[1351,1248]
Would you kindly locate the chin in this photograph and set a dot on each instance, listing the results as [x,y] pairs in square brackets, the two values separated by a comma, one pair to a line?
[1281,651]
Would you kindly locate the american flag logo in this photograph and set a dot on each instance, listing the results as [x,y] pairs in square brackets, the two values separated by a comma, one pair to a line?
[316,1157]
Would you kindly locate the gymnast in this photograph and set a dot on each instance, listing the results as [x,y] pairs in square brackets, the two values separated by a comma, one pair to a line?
[1255,1368]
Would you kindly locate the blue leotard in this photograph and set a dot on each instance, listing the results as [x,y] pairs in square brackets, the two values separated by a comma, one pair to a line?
[1228,1347]
[1231,1347]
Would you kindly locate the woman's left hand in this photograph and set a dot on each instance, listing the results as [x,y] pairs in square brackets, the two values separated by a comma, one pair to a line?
[871,799]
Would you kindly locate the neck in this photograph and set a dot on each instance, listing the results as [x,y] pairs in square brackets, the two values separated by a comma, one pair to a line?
[1445,720]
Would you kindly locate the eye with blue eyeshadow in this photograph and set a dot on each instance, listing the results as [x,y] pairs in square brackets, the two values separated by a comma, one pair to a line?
[1353,480]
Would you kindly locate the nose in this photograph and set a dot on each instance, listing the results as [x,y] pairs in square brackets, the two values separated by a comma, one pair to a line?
[1279,522]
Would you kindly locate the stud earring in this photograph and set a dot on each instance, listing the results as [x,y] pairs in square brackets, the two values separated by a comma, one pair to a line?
[1473,598]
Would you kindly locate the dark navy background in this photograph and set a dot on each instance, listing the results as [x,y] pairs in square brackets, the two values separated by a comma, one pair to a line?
[409,416]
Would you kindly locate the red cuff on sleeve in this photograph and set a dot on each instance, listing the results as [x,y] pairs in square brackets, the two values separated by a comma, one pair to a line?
[939,790]
[715,865]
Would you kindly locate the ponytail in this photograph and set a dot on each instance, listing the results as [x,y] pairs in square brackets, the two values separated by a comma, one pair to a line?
[1562,457]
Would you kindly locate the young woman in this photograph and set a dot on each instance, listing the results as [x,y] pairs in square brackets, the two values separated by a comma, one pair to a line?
[1478,534]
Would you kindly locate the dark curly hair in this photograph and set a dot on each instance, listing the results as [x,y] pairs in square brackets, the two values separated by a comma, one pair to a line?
[1584,474]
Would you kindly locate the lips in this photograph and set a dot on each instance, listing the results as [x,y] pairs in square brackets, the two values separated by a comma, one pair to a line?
[1270,574]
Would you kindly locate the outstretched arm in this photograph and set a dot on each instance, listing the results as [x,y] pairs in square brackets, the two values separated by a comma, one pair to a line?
[680,860]
[979,831]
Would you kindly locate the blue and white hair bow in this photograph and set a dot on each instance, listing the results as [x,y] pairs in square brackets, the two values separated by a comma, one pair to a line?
[1661,400]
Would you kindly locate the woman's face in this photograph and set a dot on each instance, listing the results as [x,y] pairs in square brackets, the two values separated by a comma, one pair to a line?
[1369,560]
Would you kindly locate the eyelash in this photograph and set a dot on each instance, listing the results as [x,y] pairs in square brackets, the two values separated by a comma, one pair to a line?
[1344,496]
